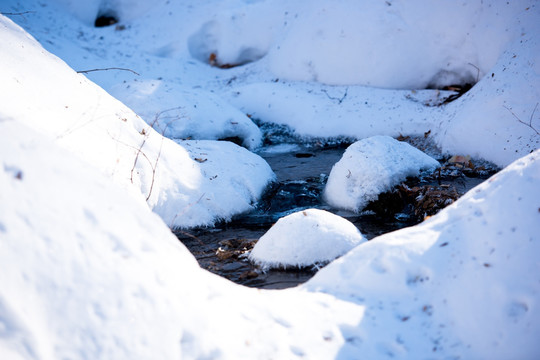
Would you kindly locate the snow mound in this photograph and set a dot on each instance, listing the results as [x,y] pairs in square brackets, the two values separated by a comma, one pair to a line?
[393,44]
[87,121]
[372,166]
[467,279]
[236,36]
[230,180]
[497,119]
[180,113]
[305,238]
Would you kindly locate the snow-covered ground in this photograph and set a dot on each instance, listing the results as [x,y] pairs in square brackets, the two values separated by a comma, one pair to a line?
[88,271]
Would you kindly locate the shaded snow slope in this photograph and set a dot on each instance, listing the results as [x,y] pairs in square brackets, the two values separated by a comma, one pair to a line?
[372,166]
[463,284]
[40,91]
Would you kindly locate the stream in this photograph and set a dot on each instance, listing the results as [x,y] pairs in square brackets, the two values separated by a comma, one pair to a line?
[302,171]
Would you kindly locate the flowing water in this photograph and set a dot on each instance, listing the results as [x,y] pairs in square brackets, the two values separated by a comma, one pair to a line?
[301,173]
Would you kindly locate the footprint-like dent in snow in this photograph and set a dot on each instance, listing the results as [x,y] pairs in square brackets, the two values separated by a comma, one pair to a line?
[517,309]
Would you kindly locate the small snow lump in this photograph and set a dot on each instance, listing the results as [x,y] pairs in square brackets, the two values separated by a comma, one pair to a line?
[306,238]
[372,166]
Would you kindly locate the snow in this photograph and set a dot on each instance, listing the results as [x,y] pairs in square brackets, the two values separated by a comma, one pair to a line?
[372,166]
[90,189]
[305,238]
[86,120]
[466,279]
[88,271]
[189,113]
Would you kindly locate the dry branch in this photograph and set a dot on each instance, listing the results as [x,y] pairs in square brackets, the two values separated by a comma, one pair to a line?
[105,69]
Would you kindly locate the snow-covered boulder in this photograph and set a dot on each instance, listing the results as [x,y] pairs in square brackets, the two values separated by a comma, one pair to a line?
[305,238]
[230,180]
[463,284]
[180,113]
[372,166]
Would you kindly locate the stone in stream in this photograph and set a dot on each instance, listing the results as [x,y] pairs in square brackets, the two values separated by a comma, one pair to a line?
[305,238]
[372,166]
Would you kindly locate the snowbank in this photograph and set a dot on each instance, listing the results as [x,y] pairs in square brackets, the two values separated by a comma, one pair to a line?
[320,111]
[496,119]
[372,166]
[83,118]
[305,238]
[187,113]
[409,45]
[393,44]
[89,272]
[467,279]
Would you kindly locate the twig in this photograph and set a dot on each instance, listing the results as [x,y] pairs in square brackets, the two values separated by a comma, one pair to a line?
[477,71]
[104,69]
[340,100]
[19,13]
[186,208]
[523,122]
[190,236]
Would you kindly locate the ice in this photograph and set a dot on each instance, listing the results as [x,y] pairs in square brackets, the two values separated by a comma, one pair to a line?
[372,166]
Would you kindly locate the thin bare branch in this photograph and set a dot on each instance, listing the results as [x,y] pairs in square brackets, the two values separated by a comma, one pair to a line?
[16,14]
[523,122]
[105,69]
[477,71]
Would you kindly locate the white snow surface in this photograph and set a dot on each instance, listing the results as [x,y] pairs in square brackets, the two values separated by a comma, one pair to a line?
[305,238]
[44,93]
[89,272]
[312,65]
[187,114]
[372,166]
[467,279]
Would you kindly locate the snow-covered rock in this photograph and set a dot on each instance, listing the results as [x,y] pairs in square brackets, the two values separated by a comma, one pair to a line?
[372,166]
[231,179]
[305,238]
[463,284]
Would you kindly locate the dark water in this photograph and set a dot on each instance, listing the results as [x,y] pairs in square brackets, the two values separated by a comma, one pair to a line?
[301,175]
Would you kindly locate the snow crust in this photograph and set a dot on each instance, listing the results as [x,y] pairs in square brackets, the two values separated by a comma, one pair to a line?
[305,238]
[372,166]
[466,279]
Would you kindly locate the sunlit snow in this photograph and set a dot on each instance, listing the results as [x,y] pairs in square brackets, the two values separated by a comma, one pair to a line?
[90,188]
